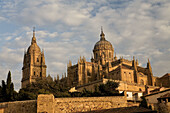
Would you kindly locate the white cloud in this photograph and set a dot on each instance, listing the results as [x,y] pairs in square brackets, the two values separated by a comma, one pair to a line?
[2,18]
[8,38]
[69,29]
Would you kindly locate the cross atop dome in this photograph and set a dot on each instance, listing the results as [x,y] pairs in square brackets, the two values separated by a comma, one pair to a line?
[33,38]
[102,35]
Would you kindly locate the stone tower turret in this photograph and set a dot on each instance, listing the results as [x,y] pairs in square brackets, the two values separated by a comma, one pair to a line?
[150,74]
[33,63]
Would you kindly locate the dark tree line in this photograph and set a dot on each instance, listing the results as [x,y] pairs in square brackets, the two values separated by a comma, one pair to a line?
[108,89]
[7,92]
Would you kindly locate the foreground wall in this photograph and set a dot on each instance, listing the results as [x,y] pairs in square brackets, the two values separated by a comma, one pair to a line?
[89,103]
[49,104]
[78,104]
[19,107]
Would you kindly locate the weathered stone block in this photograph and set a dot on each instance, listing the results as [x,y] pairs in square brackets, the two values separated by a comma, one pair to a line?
[45,103]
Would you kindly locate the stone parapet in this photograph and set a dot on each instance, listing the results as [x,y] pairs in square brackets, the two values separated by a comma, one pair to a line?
[45,103]
[81,104]
[29,106]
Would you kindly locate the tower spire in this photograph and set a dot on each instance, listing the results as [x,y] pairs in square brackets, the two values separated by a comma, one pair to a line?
[33,31]
[102,35]
[101,29]
[115,56]
[33,38]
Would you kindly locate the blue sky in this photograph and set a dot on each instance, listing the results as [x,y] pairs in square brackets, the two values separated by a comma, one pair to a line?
[68,29]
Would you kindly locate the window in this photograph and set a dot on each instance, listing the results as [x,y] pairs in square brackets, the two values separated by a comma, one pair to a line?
[141,82]
[110,55]
[40,74]
[96,55]
[34,72]
[37,60]
[103,54]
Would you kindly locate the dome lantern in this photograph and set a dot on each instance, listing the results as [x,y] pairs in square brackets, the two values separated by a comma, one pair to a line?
[33,38]
[102,35]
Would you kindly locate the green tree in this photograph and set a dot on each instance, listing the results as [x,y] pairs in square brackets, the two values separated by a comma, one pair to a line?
[44,86]
[7,92]
[3,91]
[9,88]
[143,103]
[8,84]
[109,88]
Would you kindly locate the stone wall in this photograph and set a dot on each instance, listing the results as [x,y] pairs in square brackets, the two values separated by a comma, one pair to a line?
[80,104]
[19,107]
[45,103]
[49,104]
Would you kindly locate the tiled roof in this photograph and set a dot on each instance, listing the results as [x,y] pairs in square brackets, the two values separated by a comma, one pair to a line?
[166,75]
[165,96]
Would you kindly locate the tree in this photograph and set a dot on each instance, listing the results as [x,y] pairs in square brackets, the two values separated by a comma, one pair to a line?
[143,103]
[8,80]
[9,87]
[44,86]
[3,91]
[7,91]
[109,88]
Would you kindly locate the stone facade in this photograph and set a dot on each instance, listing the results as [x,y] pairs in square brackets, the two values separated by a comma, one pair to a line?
[164,80]
[33,63]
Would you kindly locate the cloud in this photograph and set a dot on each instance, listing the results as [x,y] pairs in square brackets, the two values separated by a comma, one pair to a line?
[67,30]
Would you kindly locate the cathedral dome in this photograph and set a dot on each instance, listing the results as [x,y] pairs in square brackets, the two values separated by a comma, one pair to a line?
[103,44]
[33,47]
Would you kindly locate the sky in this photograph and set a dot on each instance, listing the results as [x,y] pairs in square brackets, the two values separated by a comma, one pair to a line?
[68,29]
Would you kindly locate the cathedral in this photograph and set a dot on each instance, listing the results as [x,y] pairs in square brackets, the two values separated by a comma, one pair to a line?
[104,66]
[33,63]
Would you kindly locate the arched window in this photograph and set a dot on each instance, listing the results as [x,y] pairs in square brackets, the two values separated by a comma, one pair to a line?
[103,54]
[96,55]
[141,82]
[110,55]
[37,60]
[140,89]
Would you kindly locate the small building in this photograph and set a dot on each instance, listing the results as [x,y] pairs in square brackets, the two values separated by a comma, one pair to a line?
[152,99]
[164,81]
[164,103]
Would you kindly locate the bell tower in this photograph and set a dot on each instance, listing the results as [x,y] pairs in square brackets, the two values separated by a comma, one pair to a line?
[33,63]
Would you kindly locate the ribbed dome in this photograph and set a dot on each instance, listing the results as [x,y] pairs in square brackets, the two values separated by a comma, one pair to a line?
[33,47]
[103,44]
